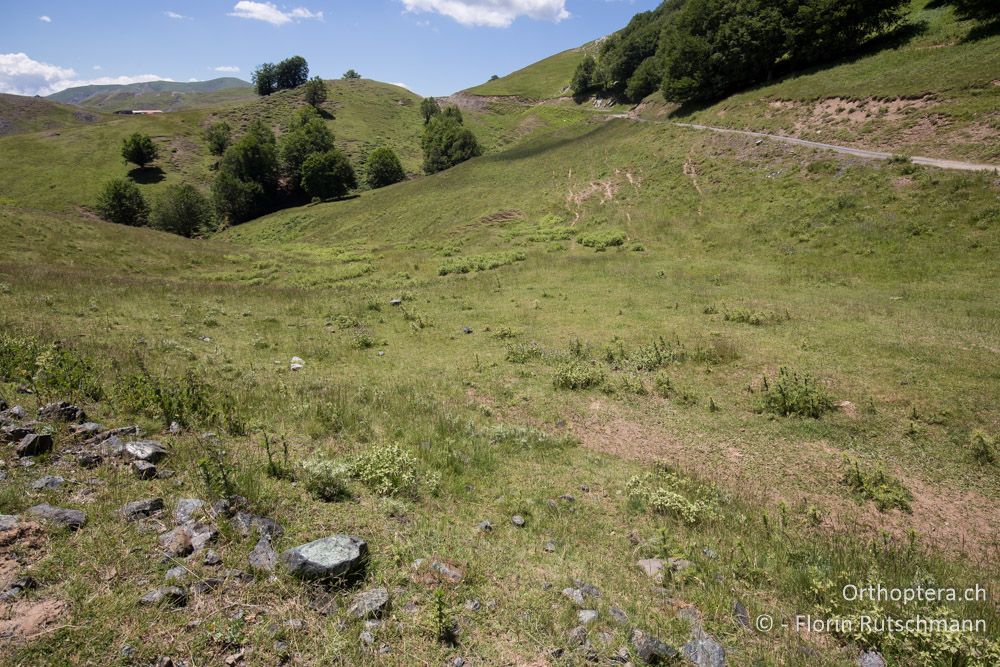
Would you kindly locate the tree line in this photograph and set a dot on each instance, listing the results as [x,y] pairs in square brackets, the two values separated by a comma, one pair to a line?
[703,50]
[257,173]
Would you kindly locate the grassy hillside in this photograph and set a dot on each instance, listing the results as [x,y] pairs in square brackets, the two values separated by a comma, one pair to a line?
[155,94]
[31,114]
[546,79]
[933,94]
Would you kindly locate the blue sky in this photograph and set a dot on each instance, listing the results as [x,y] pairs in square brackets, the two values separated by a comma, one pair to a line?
[434,47]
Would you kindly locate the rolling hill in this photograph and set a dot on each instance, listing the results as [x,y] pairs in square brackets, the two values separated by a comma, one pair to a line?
[164,95]
[20,114]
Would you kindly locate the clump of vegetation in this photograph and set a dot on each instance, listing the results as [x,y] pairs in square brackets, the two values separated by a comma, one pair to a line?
[665,492]
[328,175]
[484,262]
[315,92]
[218,136]
[139,149]
[649,357]
[602,240]
[325,479]
[388,470]
[877,485]
[447,142]
[522,353]
[289,73]
[983,447]
[792,394]
[121,202]
[183,210]
[247,181]
[383,168]
[577,375]
[757,318]
[49,369]
[350,75]
[521,438]
[429,108]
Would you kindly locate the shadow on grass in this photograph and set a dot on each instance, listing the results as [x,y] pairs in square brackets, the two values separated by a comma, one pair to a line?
[147,175]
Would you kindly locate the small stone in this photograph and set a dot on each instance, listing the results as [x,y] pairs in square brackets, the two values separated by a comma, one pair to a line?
[870,659]
[173,596]
[369,604]
[652,650]
[263,557]
[589,590]
[127,651]
[473,605]
[174,428]
[467,330]
[679,564]
[367,638]
[330,558]
[178,573]
[176,542]
[458,662]
[141,509]
[186,509]
[575,595]
[211,558]
[651,566]
[62,411]
[89,460]
[518,520]
[550,547]
[619,616]
[577,636]
[14,433]
[144,469]
[741,614]
[146,450]
[705,652]
[201,536]
[7,522]
[248,523]
[395,302]
[17,587]
[567,498]
[72,519]
[88,428]
[485,526]
[586,616]
[34,444]
[47,483]
[449,572]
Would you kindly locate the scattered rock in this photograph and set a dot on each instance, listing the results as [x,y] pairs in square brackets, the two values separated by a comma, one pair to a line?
[589,590]
[15,433]
[705,652]
[72,519]
[586,616]
[870,659]
[679,564]
[619,616]
[89,460]
[186,509]
[518,520]
[485,526]
[334,557]
[741,614]
[263,557]
[473,605]
[211,558]
[47,483]
[201,535]
[575,595]
[62,411]
[366,638]
[87,428]
[141,509]
[34,444]
[178,573]
[370,604]
[652,650]
[577,636]
[17,587]
[449,572]
[173,596]
[144,469]
[550,547]
[177,542]
[395,302]
[651,566]
[247,523]
[7,522]
[146,450]
[28,618]
[567,498]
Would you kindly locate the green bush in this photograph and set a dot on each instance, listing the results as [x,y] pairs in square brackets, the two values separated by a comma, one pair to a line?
[247,181]
[875,484]
[522,353]
[325,479]
[328,175]
[187,399]
[388,470]
[446,142]
[217,136]
[121,202]
[183,210]
[476,263]
[602,240]
[50,369]
[139,149]
[383,168]
[757,318]
[792,394]
[983,447]
[315,92]
[668,493]
[576,375]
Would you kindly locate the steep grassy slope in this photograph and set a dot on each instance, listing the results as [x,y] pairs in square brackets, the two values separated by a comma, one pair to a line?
[546,79]
[29,114]
[742,258]
[155,94]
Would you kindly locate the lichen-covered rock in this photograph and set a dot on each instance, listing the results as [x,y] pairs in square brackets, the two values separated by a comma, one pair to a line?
[330,558]
[167,595]
[72,519]
[145,450]
[369,604]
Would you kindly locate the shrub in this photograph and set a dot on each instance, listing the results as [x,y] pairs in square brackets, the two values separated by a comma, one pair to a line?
[576,375]
[383,168]
[315,92]
[183,210]
[485,262]
[247,181]
[446,142]
[755,318]
[668,493]
[388,470]
[875,484]
[522,353]
[350,75]
[121,202]
[217,136]
[429,108]
[51,369]
[602,240]
[328,175]
[325,479]
[139,149]
[584,77]
[794,394]
[187,399]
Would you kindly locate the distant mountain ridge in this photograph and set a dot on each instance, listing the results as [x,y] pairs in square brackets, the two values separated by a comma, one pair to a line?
[81,94]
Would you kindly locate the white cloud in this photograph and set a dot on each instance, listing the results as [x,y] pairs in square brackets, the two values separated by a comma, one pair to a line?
[269,12]
[401,85]
[491,13]
[232,69]
[97,68]
[175,15]
[20,75]
[45,19]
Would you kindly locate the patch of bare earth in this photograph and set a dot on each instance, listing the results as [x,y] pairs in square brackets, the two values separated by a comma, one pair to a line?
[19,546]
[24,620]
[960,523]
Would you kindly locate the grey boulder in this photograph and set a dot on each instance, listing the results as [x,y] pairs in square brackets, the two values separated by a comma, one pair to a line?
[334,557]
[652,650]
[34,444]
[72,519]
[369,604]
[146,450]
[141,509]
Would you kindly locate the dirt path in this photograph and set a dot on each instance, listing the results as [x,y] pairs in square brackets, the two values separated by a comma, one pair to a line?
[873,155]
